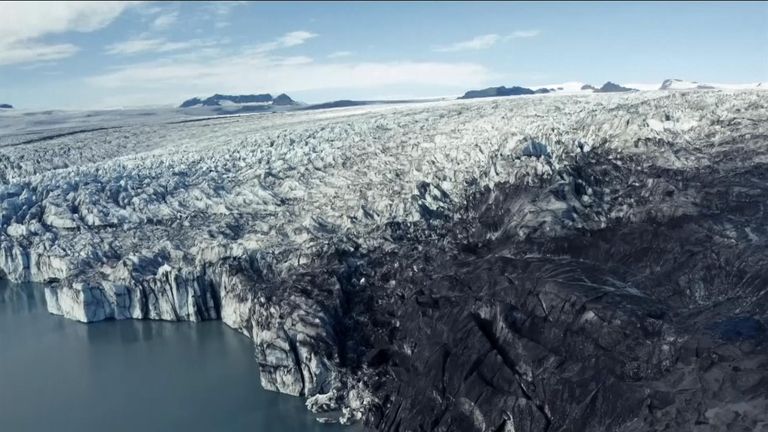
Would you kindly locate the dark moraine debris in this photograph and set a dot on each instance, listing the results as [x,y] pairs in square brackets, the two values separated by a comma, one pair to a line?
[582,332]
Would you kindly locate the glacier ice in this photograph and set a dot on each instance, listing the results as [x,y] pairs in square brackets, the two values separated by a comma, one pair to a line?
[272,223]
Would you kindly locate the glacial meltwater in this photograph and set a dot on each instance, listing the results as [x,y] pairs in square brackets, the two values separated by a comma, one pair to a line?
[61,375]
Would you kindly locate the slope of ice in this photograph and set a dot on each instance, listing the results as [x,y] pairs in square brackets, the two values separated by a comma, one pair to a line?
[746,86]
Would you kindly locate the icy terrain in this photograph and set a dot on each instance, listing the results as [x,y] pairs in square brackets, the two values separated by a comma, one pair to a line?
[573,262]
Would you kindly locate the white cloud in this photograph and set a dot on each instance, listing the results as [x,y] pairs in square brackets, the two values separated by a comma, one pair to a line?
[23,24]
[29,20]
[291,61]
[295,38]
[486,41]
[220,11]
[262,68]
[157,45]
[284,41]
[476,43]
[250,71]
[29,53]
[165,20]
[523,34]
[224,7]
[339,54]
[149,10]
[41,64]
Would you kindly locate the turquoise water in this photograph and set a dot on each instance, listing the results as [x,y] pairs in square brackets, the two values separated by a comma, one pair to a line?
[59,375]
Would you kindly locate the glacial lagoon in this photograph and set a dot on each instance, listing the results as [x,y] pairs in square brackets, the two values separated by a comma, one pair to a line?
[60,375]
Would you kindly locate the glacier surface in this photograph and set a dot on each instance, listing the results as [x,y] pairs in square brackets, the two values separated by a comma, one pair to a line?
[545,262]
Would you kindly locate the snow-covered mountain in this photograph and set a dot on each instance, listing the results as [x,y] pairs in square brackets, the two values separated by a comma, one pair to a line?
[565,88]
[668,84]
[220,99]
[224,100]
[678,84]
[219,104]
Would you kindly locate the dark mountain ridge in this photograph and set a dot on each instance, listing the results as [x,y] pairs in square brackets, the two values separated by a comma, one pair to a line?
[220,99]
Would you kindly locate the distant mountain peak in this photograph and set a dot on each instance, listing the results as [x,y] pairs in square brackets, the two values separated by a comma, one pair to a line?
[221,99]
[497,91]
[191,102]
[610,87]
[283,100]
[6,106]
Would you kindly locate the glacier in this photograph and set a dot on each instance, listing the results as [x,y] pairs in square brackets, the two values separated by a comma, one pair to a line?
[544,262]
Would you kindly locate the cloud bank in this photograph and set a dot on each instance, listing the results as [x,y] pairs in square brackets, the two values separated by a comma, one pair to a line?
[23,25]
[156,45]
[265,68]
[486,41]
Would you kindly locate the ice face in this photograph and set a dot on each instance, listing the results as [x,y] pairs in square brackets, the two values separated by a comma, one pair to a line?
[261,220]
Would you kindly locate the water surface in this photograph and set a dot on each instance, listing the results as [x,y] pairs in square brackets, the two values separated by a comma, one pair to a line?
[60,375]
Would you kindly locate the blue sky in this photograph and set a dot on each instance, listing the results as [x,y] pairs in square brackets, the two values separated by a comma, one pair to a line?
[97,55]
